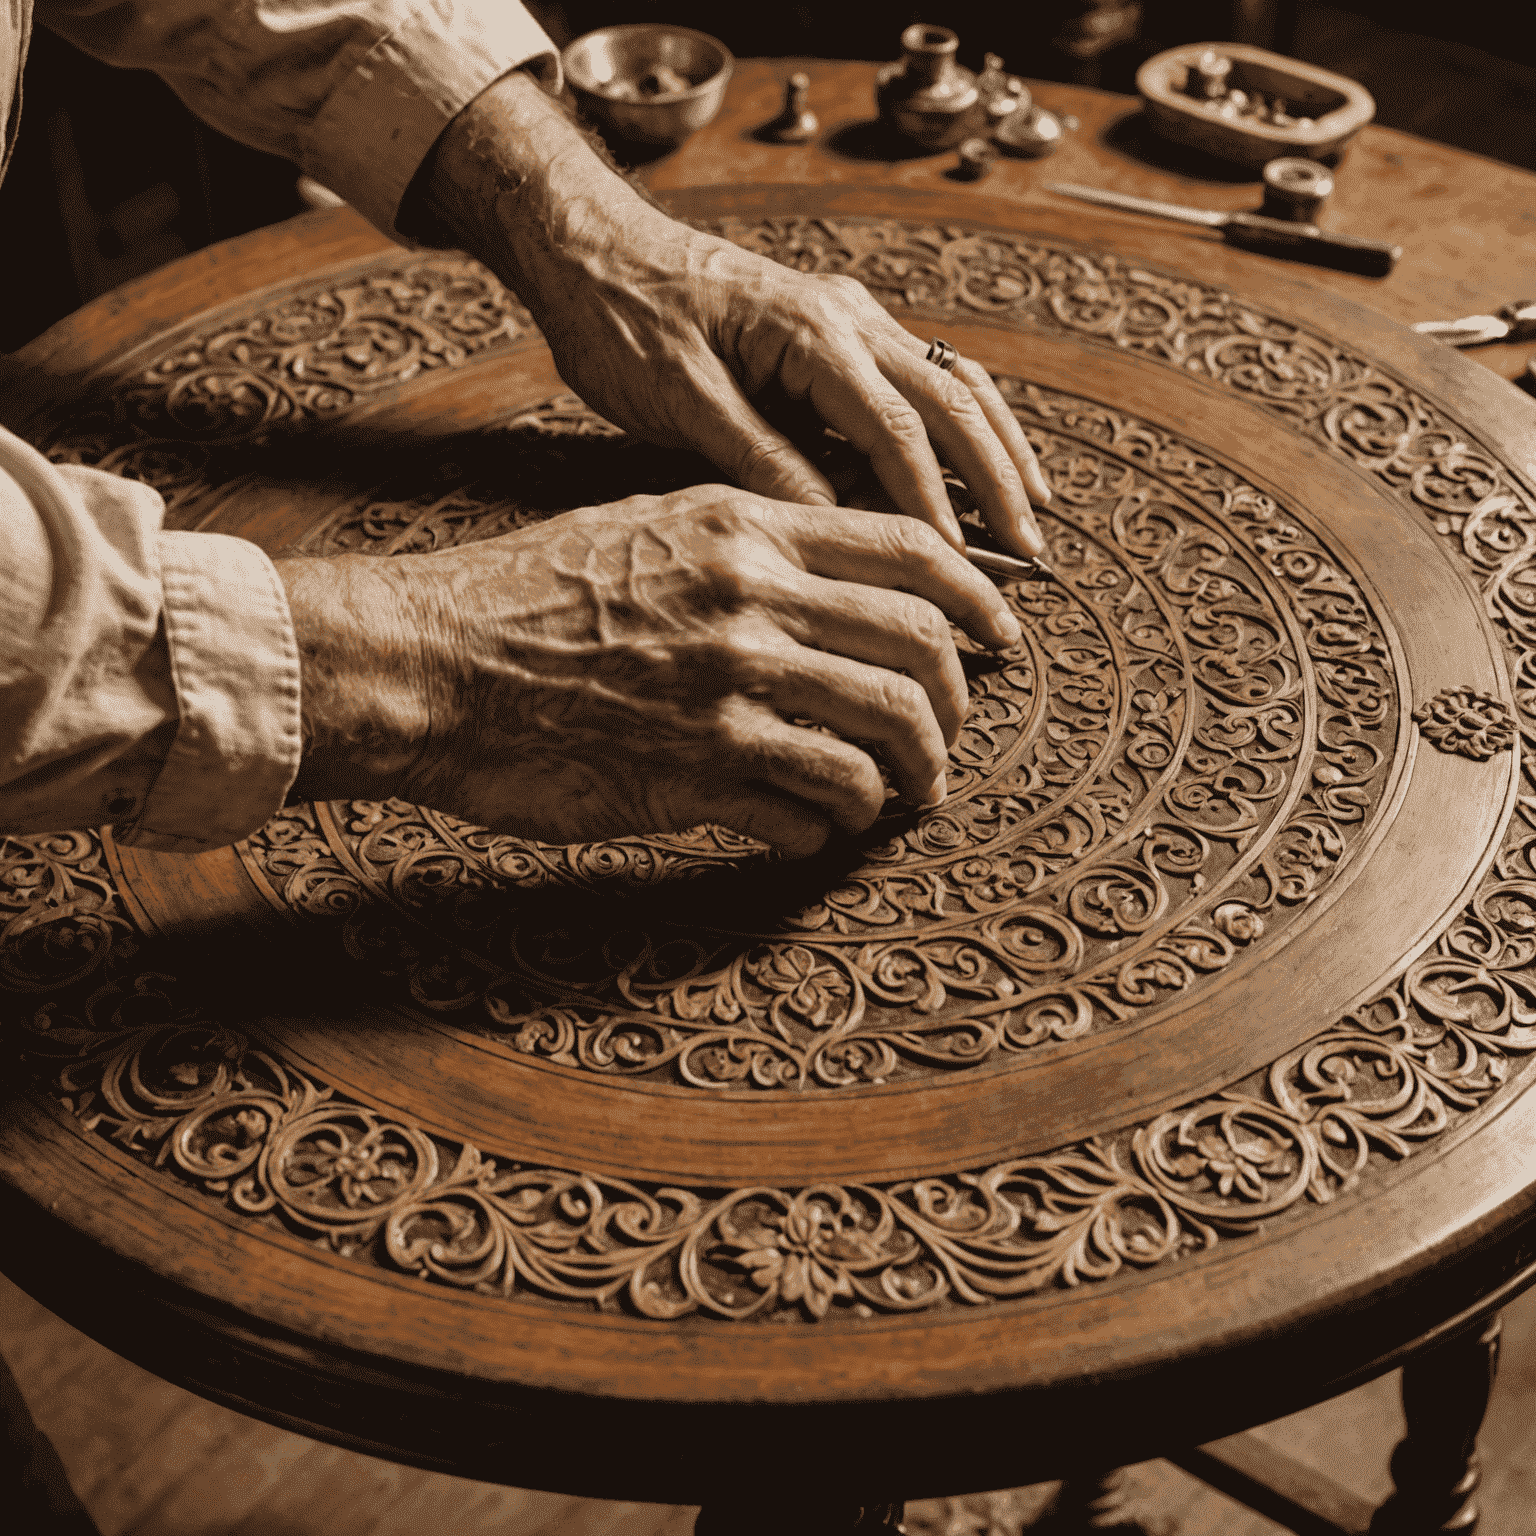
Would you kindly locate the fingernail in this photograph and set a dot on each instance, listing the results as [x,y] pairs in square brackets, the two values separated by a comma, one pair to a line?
[1029,537]
[935,796]
[1011,632]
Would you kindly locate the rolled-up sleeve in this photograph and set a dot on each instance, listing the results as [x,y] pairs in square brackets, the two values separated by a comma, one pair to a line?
[354,91]
[149,680]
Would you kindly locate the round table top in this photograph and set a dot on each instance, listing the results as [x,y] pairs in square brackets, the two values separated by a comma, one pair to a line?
[1179,1057]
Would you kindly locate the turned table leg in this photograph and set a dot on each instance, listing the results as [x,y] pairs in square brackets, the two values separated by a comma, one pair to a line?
[1435,1468]
[805,1517]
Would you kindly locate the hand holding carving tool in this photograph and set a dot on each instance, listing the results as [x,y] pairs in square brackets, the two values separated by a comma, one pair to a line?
[1514,322]
[1254,232]
[1010,567]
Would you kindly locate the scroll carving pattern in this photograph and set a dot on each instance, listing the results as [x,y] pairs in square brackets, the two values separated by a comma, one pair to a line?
[224,1112]
[1175,762]
[1383,1081]
[61,914]
[314,355]
[294,365]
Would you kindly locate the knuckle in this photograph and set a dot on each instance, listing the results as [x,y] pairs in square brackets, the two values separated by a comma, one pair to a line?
[852,775]
[905,699]
[915,540]
[898,420]
[960,402]
[724,513]
[779,458]
[928,625]
[849,287]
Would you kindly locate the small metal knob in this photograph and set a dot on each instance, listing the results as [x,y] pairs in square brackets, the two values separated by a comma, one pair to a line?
[1295,189]
[796,123]
[976,157]
[1033,134]
[1209,76]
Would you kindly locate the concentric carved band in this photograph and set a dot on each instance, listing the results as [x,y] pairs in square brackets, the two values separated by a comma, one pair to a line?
[1390,1078]
[1177,760]
[209,1103]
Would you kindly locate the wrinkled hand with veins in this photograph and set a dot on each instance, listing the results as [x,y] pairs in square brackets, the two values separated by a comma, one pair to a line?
[636,668]
[641,666]
[672,334]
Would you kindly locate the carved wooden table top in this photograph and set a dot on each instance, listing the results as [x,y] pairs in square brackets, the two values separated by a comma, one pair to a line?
[1180,1057]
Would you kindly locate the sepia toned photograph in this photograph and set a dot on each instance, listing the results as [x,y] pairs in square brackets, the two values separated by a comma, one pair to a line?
[763,775]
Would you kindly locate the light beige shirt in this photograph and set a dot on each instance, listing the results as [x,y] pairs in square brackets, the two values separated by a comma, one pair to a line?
[150,679]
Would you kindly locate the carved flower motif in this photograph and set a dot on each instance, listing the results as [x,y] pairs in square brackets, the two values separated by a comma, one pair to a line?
[808,1254]
[815,991]
[1464,721]
[1232,1161]
[1238,921]
[353,1169]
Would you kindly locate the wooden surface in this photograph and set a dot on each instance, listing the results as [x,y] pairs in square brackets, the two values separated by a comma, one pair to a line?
[1467,225]
[1181,1057]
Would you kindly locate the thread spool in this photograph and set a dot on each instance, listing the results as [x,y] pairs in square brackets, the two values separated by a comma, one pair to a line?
[1295,189]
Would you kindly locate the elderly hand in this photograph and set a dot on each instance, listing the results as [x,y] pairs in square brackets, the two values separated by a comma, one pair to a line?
[630,668]
[671,333]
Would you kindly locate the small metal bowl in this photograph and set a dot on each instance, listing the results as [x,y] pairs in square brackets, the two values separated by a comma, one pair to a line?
[623,57]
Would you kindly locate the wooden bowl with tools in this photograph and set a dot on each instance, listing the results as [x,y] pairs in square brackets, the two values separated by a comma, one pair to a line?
[1248,105]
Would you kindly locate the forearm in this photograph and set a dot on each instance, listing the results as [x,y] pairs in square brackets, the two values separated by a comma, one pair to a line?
[515,182]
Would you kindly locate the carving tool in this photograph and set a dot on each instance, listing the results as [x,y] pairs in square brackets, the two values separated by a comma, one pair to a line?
[1514,322]
[1254,232]
[1010,567]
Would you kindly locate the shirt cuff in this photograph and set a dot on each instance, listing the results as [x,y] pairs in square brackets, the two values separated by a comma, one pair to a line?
[235,665]
[381,122]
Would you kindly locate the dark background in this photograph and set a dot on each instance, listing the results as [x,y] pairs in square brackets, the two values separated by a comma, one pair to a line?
[113,176]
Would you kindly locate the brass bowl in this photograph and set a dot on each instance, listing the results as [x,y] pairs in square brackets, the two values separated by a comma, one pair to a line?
[619,58]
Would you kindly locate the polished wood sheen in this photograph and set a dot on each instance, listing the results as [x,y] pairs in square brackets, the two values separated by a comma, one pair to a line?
[1169,1077]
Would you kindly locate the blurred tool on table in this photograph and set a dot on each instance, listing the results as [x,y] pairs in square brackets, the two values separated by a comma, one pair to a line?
[1254,232]
[1465,223]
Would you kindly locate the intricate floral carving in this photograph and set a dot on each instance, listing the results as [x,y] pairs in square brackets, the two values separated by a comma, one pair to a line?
[317,353]
[62,916]
[1133,801]
[227,1114]
[1387,1079]
[1464,721]
[287,368]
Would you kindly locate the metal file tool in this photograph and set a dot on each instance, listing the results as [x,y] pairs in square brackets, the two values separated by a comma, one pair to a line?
[1514,322]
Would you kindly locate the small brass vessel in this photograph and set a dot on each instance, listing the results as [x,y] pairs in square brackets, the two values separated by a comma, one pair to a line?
[927,97]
